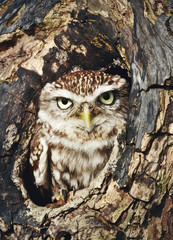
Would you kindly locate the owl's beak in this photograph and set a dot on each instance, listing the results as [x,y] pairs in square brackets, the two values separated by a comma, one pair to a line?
[86,115]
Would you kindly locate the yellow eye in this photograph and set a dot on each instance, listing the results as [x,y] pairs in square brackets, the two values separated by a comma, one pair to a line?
[64,103]
[106,98]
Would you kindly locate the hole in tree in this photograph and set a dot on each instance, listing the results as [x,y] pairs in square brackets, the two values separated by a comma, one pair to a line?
[38,196]
[42,197]
[63,236]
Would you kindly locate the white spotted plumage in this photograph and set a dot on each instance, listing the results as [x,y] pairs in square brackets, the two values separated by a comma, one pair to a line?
[67,152]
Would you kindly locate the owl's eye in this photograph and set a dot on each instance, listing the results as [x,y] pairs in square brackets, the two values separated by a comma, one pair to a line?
[63,103]
[107,98]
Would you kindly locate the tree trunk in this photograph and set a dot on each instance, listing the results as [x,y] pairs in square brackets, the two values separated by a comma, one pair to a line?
[41,40]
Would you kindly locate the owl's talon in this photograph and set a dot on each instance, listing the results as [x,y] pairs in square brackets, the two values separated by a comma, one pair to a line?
[60,196]
[58,203]
[74,190]
[64,194]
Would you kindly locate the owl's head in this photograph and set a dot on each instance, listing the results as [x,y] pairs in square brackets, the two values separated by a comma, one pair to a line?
[85,100]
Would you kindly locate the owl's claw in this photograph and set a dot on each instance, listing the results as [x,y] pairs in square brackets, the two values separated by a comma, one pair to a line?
[59,203]
[59,199]
[74,190]
[61,196]
[64,194]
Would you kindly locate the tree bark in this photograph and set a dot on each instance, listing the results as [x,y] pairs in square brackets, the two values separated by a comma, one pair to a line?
[40,41]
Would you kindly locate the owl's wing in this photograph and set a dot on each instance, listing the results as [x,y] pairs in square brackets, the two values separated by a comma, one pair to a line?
[39,160]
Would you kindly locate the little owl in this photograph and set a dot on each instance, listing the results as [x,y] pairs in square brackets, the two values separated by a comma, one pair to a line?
[80,116]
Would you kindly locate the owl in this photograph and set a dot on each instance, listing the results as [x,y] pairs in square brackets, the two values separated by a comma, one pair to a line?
[80,116]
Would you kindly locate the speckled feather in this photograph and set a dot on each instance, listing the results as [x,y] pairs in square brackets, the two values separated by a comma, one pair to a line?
[84,83]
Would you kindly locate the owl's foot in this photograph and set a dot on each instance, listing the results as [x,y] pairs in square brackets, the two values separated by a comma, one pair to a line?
[58,203]
[59,199]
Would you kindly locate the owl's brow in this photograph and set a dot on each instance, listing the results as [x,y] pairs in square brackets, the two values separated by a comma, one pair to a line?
[102,89]
[88,98]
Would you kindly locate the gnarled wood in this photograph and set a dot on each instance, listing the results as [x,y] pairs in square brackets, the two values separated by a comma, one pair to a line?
[40,41]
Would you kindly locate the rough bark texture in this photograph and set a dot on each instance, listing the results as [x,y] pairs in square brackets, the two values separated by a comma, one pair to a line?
[41,40]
